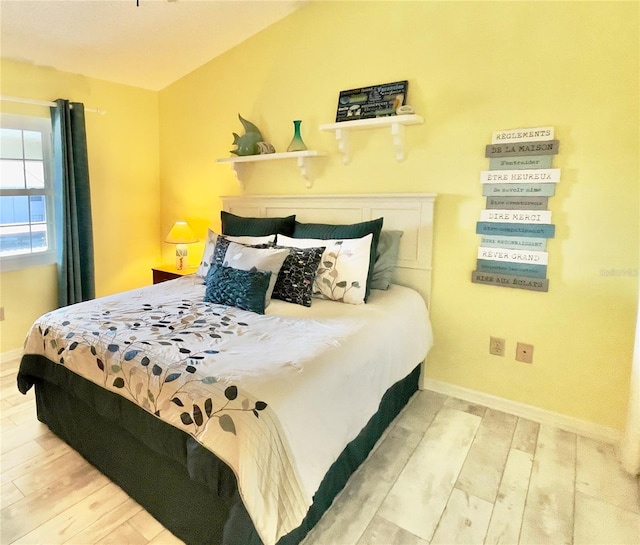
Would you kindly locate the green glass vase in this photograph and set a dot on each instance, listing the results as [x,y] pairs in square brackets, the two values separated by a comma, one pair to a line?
[297,144]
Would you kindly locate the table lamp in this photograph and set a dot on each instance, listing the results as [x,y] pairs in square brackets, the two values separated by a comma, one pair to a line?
[181,235]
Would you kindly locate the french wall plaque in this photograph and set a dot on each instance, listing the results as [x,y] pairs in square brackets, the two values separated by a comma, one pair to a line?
[374,101]
[516,223]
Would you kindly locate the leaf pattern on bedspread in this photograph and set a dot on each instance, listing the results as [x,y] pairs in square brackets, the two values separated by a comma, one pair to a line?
[202,368]
[144,354]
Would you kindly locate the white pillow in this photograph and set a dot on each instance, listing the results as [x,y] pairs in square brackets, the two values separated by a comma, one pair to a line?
[210,246]
[262,259]
[342,274]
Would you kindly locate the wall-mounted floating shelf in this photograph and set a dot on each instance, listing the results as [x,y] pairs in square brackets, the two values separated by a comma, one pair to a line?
[397,124]
[302,159]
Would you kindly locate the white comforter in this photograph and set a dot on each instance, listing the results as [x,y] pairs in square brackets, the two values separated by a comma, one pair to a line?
[277,397]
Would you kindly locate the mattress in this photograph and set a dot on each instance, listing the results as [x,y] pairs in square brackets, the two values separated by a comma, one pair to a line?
[297,384]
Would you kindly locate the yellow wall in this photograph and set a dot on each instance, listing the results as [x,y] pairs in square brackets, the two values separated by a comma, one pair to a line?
[125,195]
[473,67]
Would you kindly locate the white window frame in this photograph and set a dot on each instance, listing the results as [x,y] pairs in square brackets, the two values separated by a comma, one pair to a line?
[43,125]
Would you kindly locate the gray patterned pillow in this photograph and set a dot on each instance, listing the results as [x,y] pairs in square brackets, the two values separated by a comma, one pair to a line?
[295,280]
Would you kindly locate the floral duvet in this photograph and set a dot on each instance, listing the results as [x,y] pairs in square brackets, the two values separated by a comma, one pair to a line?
[275,396]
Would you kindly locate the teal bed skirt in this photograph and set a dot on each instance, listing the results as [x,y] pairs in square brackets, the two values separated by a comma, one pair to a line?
[183,485]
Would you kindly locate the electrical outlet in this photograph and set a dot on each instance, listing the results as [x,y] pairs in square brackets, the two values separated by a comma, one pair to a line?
[524,353]
[496,346]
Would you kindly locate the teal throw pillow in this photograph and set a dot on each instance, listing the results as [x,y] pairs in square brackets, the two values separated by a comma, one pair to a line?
[237,288]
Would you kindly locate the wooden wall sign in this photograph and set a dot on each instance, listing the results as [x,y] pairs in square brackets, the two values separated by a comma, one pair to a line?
[516,223]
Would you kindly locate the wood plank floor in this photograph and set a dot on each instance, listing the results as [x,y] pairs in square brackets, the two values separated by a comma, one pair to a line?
[446,472]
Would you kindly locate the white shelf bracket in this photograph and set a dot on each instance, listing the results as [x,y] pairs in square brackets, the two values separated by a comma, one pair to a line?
[342,137]
[303,164]
[397,135]
[303,159]
[236,168]
[396,123]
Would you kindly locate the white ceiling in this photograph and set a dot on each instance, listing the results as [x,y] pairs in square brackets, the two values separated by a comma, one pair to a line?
[149,45]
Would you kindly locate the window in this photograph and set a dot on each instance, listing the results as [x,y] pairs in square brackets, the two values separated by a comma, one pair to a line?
[26,192]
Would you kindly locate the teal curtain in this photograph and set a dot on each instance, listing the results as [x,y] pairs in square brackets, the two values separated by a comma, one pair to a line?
[74,231]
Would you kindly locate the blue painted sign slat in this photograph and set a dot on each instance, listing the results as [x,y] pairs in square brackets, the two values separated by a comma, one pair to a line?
[539,230]
[519,269]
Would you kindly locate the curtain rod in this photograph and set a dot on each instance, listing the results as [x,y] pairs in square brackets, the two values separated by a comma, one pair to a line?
[99,111]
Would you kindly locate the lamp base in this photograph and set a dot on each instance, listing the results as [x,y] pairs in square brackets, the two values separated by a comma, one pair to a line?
[181,256]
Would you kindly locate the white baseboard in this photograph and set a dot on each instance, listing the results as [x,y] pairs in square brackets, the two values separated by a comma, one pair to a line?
[542,416]
[10,355]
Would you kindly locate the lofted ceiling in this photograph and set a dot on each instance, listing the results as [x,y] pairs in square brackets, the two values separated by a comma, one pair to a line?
[144,43]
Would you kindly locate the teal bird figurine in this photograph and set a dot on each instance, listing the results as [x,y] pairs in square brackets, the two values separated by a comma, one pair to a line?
[247,144]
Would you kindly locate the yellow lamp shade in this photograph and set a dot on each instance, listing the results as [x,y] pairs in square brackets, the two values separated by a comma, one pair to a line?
[181,233]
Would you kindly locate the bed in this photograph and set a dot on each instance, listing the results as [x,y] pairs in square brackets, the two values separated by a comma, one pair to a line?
[236,417]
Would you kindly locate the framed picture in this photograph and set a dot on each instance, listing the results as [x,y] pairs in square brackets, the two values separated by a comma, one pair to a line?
[373,101]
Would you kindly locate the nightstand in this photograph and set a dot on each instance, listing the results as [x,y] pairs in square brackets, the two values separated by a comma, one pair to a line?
[169,272]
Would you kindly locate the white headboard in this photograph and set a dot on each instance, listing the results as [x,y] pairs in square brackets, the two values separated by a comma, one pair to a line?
[408,212]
